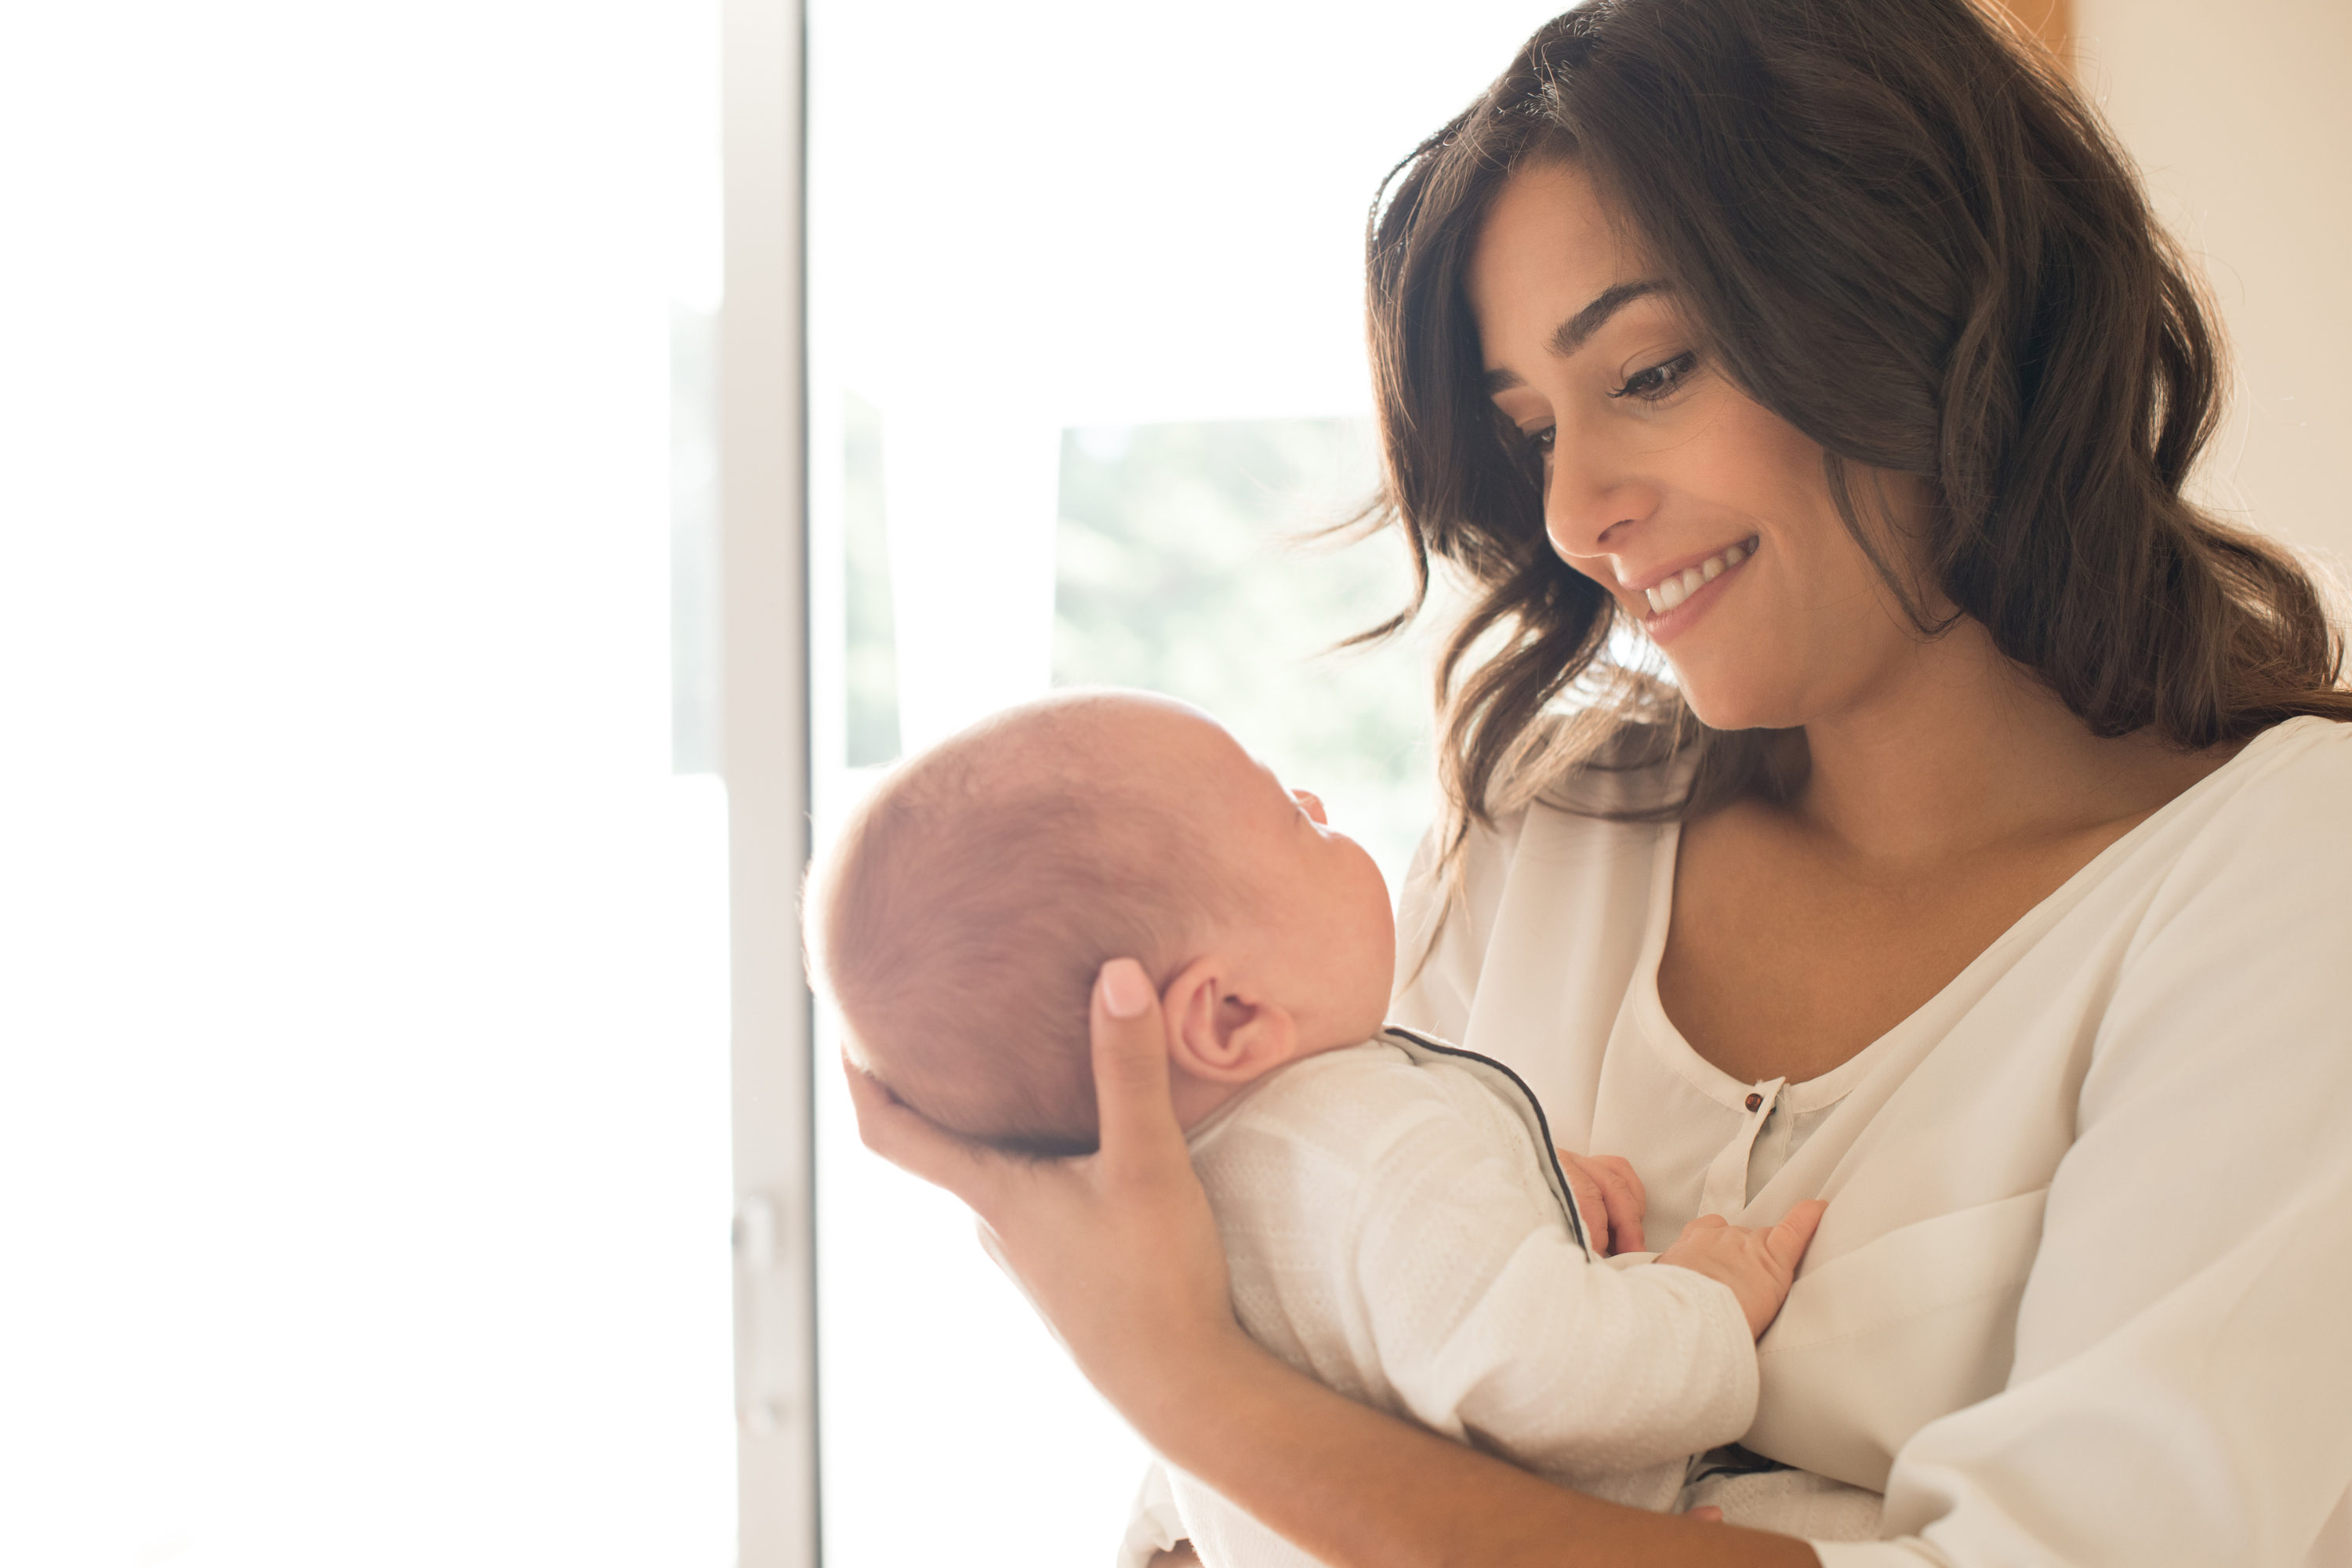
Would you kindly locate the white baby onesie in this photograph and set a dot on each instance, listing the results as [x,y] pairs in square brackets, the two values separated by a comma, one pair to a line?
[1399,1229]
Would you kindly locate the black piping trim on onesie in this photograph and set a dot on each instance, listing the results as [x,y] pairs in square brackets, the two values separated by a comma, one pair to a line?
[1731,1459]
[1420,1045]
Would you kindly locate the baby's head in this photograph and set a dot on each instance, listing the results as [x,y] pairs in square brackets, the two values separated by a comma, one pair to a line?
[959,921]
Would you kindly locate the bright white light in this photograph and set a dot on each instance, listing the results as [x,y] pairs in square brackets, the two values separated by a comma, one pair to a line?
[362,1067]
[1058,213]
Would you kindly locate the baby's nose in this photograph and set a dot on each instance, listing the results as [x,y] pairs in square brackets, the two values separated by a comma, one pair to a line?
[1313,803]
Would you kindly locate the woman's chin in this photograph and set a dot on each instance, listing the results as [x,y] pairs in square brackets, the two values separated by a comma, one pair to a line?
[1721,705]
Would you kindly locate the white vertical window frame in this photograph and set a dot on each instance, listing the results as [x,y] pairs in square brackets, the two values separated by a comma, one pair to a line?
[765,763]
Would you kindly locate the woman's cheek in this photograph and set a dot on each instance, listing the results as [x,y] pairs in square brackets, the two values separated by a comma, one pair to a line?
[1599,575]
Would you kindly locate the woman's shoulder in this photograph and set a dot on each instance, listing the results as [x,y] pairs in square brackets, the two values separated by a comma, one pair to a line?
[2305,750]
[2290,785]
[2270,826]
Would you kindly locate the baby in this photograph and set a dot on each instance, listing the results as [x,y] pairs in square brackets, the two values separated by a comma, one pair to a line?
[1396,1222]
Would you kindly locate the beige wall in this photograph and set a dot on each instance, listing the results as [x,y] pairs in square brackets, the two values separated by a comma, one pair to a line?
[2241,115]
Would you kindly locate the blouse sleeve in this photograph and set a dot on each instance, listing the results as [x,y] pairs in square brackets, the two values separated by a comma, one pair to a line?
[2181,1390]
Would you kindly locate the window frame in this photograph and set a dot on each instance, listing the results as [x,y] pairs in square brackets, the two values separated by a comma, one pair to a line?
[764,763]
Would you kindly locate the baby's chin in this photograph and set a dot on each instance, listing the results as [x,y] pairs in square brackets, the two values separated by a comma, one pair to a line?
[1352,1024]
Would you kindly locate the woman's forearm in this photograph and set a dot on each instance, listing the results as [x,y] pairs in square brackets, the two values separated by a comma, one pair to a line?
[1361,1490]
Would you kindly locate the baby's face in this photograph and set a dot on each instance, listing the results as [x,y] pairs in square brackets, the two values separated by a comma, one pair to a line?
[1315,922]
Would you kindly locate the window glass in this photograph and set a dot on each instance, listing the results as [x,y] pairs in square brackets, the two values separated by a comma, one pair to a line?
[363,1067]
[1087,378]
[1214,561]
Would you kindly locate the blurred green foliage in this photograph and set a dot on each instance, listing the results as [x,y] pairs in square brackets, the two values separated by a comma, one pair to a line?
[1185,564]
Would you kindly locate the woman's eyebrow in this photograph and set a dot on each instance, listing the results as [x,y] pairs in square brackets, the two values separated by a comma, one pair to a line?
[1573,332]
[1571,335]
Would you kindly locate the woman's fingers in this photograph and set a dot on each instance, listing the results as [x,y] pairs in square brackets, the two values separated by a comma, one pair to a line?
[919,1147]
[1139,1128]
[1117,1250]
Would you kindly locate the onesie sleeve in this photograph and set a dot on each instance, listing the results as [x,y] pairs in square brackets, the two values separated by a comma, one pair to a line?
[1391,1234]
[1491,1325]
[2183,1370]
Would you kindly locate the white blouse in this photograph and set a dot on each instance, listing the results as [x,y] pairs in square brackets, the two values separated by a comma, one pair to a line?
[2083,1292]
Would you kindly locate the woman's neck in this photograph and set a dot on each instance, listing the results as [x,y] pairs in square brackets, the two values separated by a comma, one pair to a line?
[1958,749]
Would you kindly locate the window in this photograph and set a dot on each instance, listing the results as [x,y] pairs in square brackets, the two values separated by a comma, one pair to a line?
[363,1092]
[1086,367]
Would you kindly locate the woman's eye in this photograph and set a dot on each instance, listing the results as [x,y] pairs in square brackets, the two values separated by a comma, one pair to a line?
[1659,381]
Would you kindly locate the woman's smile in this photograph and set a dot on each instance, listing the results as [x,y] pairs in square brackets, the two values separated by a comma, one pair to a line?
[1664,489]
[1679,596]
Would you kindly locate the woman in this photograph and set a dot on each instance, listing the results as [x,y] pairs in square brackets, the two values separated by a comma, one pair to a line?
[1978,871]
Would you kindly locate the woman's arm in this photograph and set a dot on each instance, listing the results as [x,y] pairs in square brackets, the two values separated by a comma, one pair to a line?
[1119,1253]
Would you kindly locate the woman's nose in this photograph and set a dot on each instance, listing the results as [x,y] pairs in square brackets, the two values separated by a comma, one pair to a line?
[1589,503]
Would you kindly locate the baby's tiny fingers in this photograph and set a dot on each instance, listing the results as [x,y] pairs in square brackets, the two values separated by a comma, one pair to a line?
[1629,1205]
[1785,1242]
[1619,1171]
[1588,1201]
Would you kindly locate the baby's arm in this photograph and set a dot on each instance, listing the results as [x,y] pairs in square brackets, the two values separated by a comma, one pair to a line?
[1758,1265]
[1493,1325]
[1417,1259]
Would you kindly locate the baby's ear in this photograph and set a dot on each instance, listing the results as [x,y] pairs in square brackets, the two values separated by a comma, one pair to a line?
[1218,1028]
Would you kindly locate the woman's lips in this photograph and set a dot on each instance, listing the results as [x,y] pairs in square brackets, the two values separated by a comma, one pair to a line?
[1677,601]
[1670,592]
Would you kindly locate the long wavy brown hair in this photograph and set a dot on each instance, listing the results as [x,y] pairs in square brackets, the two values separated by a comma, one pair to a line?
[1901,230]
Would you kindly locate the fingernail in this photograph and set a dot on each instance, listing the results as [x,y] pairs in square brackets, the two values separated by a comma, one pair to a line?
[1126,990]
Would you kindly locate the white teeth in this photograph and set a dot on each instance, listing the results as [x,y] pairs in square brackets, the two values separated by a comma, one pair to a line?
[1676,589]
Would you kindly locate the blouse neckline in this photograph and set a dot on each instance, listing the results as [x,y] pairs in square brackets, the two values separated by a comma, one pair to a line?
[1825,1089]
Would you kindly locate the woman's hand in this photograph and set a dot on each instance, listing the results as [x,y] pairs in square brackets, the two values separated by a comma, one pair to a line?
[1121,1254]
[1117,1249]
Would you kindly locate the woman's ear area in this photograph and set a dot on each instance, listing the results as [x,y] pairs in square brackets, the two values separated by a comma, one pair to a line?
[1221,1028]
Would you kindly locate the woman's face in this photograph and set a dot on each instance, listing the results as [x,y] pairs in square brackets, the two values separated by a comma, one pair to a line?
[1706,517]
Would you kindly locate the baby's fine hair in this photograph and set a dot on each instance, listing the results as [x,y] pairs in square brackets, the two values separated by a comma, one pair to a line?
[960,919]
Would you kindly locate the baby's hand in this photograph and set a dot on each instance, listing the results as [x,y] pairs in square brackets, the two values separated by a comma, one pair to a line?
[1611,1197]
[1757,1264]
